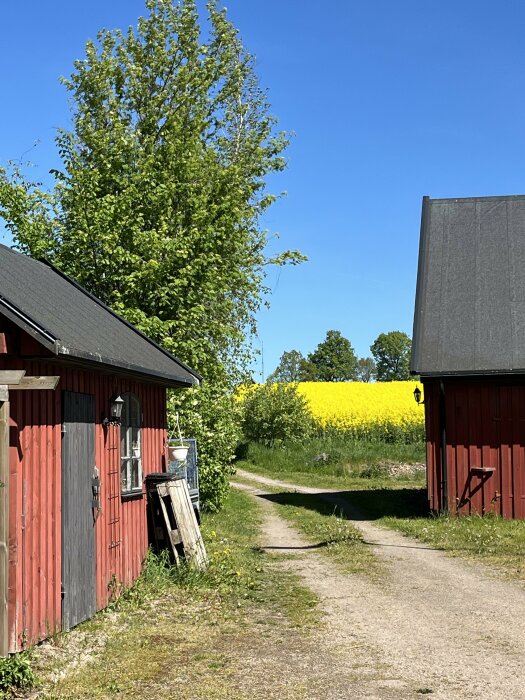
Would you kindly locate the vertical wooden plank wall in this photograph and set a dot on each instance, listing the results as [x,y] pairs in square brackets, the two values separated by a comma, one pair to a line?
[4,523]
[34,591]
[485,422]
[35,509]
[122,538]
[433,452]
[506,442]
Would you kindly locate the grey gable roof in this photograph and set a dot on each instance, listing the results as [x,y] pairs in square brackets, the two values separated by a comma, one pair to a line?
[75,325]
[470,298]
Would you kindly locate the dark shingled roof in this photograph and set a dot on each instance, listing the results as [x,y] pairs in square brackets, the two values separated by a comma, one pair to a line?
[470,299]
[75,325]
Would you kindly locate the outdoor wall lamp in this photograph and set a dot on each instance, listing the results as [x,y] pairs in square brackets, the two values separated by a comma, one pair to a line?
[417,396]
[115,410]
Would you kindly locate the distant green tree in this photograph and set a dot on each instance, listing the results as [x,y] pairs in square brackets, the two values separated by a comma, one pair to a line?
[289,368]
[366,369]
[334,359]
[391,353]
[308,371]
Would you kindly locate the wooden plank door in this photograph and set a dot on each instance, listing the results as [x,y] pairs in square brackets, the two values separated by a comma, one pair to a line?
[78,524]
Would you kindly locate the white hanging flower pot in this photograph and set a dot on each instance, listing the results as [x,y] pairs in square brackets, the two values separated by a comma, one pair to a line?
[178,453]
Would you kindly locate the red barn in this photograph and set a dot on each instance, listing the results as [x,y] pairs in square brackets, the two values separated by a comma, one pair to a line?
[72,502]
[469,349]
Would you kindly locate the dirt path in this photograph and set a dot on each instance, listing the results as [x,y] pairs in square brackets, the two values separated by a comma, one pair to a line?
[435,624]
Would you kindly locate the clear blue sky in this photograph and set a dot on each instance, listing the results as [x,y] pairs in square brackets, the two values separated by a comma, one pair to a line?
[388,101]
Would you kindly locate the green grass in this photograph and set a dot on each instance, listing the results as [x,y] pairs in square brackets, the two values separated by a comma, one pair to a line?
[357,471]
[170,633]
[232,542]
[491,539]
[326,527]
[348,464]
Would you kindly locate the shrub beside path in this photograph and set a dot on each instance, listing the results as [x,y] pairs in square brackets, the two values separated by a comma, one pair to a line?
[434,625]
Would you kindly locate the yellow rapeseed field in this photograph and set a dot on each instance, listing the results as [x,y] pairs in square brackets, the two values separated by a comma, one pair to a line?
[383,409]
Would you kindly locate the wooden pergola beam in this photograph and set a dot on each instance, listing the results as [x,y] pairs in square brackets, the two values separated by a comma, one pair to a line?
[23,383]
[11,376]
[26,383]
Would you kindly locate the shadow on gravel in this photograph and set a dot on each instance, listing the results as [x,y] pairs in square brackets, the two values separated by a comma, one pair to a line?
[301,548]
[360,505]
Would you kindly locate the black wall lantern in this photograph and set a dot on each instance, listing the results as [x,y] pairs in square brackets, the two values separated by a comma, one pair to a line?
[115,410]
[417,396]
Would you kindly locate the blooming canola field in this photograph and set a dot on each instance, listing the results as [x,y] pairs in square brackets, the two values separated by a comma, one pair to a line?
[383,410]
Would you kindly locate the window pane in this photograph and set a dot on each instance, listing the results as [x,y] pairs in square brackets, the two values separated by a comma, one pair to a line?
[123,450]
[135,441]
[124,474]
[134,411]
[135,474]
[130,447]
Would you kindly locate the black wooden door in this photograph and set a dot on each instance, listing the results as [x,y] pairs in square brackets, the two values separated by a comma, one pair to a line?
[78,527]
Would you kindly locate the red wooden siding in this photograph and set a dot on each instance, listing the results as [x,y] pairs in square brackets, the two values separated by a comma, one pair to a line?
[433,444]
[34,600]
[35,494]
[485,445]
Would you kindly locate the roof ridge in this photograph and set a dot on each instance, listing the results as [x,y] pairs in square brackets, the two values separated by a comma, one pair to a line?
[483,198]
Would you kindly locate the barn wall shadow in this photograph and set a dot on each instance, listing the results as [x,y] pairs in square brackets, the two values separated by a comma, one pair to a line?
[360,505]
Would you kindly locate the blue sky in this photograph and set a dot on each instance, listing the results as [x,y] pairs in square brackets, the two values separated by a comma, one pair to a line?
[387,101]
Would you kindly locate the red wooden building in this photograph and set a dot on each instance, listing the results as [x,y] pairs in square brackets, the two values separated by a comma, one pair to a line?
[73,507]
[469,349]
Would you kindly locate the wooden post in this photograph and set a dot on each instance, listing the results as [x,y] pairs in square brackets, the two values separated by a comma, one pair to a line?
[4,522]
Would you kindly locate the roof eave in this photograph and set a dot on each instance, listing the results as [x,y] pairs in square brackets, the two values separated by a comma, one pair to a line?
[27,324]
[65,352]
[469,373]
[417,323]
[42,336]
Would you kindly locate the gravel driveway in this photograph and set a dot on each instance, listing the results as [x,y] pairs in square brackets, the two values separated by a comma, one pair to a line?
[436,625]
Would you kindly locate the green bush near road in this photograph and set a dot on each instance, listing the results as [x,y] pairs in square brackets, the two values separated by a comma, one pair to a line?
[275,414]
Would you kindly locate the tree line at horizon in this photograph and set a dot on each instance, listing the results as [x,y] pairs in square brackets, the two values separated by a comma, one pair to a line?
[335,360]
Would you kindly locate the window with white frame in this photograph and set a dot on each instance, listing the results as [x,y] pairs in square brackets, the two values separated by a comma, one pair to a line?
[130,445]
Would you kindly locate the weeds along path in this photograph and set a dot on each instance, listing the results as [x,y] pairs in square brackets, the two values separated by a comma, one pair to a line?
[435,625]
